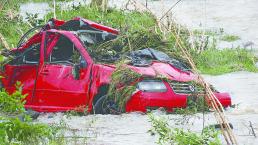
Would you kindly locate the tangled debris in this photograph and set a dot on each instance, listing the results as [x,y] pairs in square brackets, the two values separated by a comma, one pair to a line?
[122,86]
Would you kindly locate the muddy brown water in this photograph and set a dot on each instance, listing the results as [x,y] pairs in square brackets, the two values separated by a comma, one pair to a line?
[237,17]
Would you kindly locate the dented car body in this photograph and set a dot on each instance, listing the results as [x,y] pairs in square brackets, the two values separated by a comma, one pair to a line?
[59,74]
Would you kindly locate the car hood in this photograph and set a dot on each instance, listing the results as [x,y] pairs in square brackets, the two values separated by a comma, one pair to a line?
[161,69]
[156,69]
[153,63]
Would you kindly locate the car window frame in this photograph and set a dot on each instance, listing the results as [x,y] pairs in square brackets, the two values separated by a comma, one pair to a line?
[26,52]
[48,49]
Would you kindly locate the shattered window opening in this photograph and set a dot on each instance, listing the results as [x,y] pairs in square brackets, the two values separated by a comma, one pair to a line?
[64,52]
[30,55]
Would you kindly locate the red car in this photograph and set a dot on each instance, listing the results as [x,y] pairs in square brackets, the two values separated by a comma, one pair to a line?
[55,80]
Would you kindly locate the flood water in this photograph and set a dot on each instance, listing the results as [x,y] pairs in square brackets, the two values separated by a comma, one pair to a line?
[237,17]
[232,17]
[132,129]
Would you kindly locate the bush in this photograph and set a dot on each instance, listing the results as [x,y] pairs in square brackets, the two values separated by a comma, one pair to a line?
[14,103]
[168,135]
[14,131]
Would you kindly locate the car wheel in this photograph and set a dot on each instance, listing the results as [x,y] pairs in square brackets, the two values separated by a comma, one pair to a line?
[106,106]
[33,114]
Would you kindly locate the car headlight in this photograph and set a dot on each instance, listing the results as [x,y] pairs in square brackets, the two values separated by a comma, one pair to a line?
[152,86]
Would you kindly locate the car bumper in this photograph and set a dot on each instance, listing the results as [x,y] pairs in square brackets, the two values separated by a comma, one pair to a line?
[143,101]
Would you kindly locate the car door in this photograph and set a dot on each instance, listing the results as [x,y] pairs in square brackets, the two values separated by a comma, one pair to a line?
[23,69]
[63,78]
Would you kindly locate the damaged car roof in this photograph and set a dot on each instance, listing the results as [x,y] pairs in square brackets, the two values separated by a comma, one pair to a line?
[92,35]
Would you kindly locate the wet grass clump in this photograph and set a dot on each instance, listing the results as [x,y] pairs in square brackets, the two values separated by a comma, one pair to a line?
[122,85]
[168,135]
[215,62]
[230,38]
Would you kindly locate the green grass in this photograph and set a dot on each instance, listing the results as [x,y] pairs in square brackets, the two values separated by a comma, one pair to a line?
[230,38]
[207,32]
[210,61]
[215,62]
[168,135]
[11,28]
[14,131]
[114,18]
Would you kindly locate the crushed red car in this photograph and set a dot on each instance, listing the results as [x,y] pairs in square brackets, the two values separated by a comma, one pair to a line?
[55,80]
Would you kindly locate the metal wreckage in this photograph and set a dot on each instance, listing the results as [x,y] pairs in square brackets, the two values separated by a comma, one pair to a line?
[60,71]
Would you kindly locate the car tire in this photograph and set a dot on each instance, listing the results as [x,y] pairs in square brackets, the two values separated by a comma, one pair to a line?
[99,105]
[105,106]
[33,115]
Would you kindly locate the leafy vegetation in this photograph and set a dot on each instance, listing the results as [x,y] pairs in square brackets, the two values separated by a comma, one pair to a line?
[168,135]
[12,104]
[137,30]
[195,104]
[14,129]
[122,85]
[230,38]
[213,61]
[11,25]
